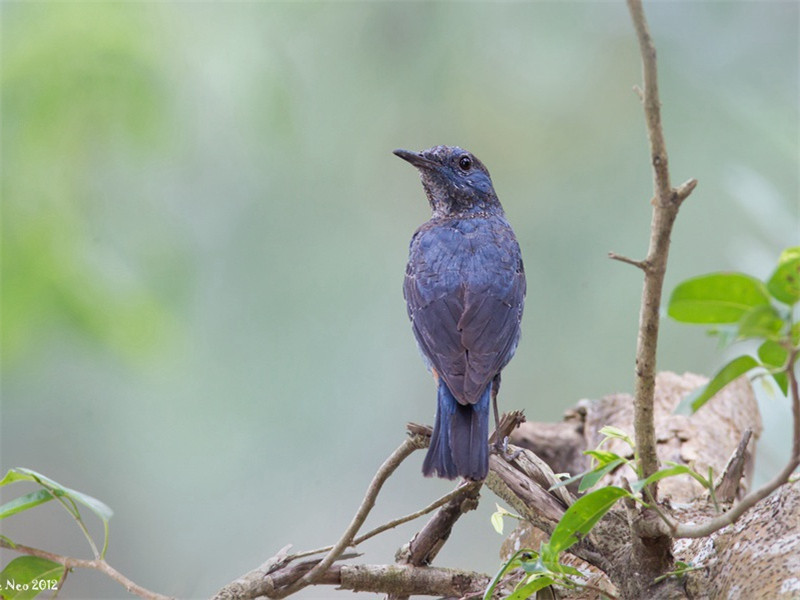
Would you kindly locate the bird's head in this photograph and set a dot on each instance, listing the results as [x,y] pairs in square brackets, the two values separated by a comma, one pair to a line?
[455,181]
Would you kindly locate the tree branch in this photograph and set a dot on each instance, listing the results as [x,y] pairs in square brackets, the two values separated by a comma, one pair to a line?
[429,540]
[666,203]
[387,468]
[97,564]
[425,545]
[459,491]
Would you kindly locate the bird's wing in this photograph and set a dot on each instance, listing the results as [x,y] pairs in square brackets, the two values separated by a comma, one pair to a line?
[465,299]
[490,326]
[431,289]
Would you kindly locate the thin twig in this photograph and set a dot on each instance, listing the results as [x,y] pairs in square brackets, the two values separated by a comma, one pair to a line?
[387,468]
[459,491]
[639,264]
[390,525]
[725,519]
[97,564]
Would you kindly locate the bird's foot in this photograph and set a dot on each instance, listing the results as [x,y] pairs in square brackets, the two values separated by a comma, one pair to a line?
[501,447]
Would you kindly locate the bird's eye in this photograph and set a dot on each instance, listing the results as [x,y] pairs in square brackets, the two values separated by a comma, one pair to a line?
[465,162]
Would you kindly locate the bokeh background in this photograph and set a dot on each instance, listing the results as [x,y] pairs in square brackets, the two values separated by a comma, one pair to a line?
[205,233]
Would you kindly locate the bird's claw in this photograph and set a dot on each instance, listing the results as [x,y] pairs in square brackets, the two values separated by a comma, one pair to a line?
[502,449]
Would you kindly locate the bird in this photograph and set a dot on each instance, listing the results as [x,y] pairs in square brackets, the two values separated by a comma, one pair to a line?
[465,291]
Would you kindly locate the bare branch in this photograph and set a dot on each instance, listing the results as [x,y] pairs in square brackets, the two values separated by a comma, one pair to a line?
[683,190]
[639,264]
[386,469]
[425,545]
[430,539]
[396,579]
[389,525]
[666,203]
[652,103]
[97,564]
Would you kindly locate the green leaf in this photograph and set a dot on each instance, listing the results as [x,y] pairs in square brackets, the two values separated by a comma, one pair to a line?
[603,457]
[613,432]
[497,522]
[509,565]
[22,474]
[716,298]
[534,565]
[592,477]
[533,584]
[761,322]
[784,285]
[773,355]
[676,469]
[584,514]
[735,368]
[27,576]
[24,503]
[557,567]
[569,480]
[96,506]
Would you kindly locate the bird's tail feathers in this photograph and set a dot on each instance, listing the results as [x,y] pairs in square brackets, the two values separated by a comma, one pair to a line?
[459,443]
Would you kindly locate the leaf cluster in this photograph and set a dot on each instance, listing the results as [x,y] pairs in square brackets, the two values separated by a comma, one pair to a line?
[739,307]
[25,570]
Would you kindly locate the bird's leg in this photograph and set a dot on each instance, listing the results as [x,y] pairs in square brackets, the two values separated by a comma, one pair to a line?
[493,393]
[500,445]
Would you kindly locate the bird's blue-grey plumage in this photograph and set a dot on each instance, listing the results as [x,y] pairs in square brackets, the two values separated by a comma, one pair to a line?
[465,289]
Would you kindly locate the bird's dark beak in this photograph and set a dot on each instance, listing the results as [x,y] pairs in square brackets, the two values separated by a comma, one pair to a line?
[416,159]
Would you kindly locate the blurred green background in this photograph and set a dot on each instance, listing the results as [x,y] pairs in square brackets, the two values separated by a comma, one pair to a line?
[204,237]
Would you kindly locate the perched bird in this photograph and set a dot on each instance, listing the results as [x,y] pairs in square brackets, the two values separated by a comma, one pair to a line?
[465,289]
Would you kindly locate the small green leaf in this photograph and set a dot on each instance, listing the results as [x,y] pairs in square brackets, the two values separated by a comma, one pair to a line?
[96,506]
[676,469]
[613,432]
[735,368]
[511,564]
[591,478]
[532,585]
[773,355]
[761,322]
[23,474]
[567,481]
[795,333]
[534,565]
[497,522]
[716,298]
[784,284]
[584,514]
[27,576]
[565,569]
[603,457]
[25,502]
